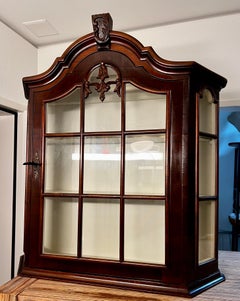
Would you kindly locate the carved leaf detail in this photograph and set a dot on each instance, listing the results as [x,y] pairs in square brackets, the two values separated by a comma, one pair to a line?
[102,86]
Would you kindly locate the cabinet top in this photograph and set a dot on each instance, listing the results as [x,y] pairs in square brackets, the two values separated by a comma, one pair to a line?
[104,39]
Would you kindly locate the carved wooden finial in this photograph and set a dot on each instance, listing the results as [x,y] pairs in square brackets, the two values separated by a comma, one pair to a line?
[102,25]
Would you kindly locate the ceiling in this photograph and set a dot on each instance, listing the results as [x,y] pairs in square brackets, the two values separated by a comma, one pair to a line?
[44,22]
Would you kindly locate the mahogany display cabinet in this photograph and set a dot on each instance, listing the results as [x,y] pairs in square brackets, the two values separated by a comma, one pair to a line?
[122,168]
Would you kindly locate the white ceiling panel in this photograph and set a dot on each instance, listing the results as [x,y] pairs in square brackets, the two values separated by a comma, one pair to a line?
[43,22]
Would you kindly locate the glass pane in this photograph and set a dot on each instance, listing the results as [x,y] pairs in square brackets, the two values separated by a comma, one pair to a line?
[144,235]
[100,238]
[144,110]
[60,226]
[207,215]
[207,113]
[102,164]
[102,115]
[145,164]
[63,115]
[207,166]
[62,165]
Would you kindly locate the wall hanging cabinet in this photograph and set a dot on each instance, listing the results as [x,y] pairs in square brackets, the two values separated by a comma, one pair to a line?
[122,168]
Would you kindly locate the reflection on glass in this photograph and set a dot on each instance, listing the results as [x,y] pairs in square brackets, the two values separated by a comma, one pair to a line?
[60,226]
[102,164]
[102,115]
[144,235]
[62,165]
[207,215]
[207,166]
[145,164]
[100,238]
[144,110]
[207,113]
[63,115]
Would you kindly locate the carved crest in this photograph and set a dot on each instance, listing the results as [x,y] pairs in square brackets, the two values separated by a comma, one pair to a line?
[102,86]
[102,25]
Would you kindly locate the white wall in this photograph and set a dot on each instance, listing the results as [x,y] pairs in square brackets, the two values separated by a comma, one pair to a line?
[212,42]
[18,59]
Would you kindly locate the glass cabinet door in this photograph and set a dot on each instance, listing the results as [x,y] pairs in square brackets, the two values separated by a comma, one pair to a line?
[104,177]
[61,175]
[207,232]
[61,165]
[100,234]
[60,225]
[144,110]
[145,164]
[63,115]
[100,116]
[207,188]
[121,168]
[101,164]
[207,166]
[144,238]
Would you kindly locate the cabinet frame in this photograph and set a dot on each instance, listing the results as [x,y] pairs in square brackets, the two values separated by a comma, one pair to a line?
[181,274]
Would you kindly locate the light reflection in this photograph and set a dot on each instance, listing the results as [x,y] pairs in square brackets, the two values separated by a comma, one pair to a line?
[116,157]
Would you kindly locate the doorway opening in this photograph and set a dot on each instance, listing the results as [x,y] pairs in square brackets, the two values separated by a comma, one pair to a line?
[8,178]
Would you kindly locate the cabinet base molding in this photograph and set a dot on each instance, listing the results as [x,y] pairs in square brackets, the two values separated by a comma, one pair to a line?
[23,288]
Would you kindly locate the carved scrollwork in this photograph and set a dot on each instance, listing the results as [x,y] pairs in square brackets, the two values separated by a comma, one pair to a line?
[102,86]
[102,25]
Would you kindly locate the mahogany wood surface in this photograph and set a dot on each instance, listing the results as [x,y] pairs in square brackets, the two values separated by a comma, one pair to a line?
[183,83]
[33,289]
